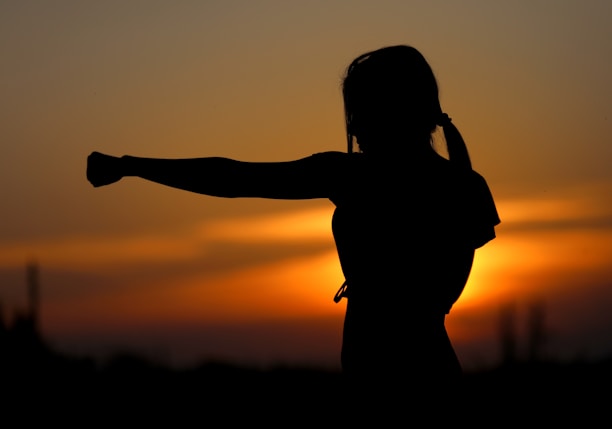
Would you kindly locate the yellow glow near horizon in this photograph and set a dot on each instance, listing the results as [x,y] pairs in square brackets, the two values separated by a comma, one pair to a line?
[525,262]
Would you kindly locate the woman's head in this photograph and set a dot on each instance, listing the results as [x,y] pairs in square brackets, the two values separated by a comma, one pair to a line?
[391,99]
[390,93]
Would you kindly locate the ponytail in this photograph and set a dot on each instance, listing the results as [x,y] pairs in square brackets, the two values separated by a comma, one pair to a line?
[457,150]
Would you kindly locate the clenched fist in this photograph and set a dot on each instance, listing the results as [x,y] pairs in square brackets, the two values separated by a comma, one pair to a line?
[103,169]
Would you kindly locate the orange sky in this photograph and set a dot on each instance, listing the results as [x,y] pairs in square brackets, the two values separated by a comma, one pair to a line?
[170,273]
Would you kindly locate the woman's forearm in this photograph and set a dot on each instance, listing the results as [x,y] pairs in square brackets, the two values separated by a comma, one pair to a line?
[209,176]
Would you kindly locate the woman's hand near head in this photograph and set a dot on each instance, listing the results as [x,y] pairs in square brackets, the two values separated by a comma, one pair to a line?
[103,169]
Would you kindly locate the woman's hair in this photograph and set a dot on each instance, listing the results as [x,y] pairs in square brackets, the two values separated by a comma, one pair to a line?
[392,92]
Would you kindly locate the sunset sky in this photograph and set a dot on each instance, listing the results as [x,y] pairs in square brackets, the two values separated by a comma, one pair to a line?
[181,277]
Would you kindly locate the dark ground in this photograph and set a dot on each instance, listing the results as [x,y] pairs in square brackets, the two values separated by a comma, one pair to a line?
[39,385]
[131,388]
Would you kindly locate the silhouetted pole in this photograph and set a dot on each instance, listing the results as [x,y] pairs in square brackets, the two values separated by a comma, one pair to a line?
[508,335]
[536,333]
[3,326]
[33,293]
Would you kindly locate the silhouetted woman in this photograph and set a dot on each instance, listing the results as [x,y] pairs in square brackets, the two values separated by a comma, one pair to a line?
[407,220]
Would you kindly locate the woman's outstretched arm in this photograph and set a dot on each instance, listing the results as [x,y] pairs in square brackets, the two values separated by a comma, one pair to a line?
[221,177]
